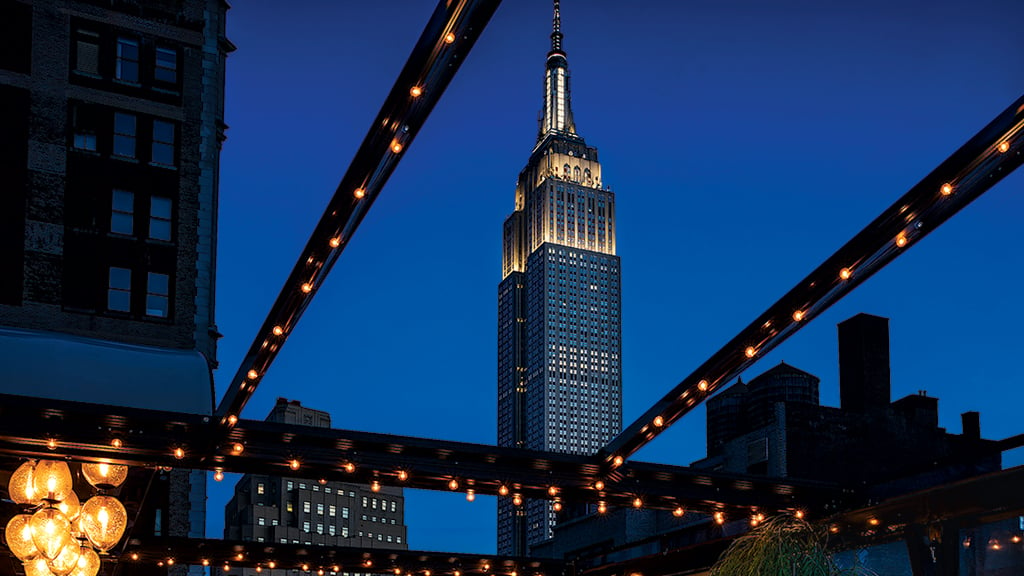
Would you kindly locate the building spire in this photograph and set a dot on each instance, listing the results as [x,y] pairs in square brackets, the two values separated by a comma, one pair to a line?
[556,29]
[556,117]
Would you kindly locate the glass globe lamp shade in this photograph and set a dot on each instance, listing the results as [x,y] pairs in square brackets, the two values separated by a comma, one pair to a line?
[103,475]
[103,521]
[20,487]
[19,538]
[51,479]
[88,563]
[51,532]
[70,507]
[37,567]
[66,561]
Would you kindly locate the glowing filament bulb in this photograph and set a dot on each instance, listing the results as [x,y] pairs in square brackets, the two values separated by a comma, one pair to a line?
[271,564]
[553,490]
[599,485]
[557,506]
[470,495]
[946,189]
[170,561]
[232,419]
[375,486]
[517,500]
[601,508]
[453,484]
[322,481]
[798,315]
[305,567]
[750,352]
[237,448]
[179,452]
[403,475]
[617,461]
[294,464]
[659,421]
[799,514]
[702,385]
[218,475]
[359,193]
[116,443]
[416,91]
[449,38]
[350,467]
[135,556]
[638,503]
[845,274]
[503,490]
[719,518]
[335,242]
[259,568]
[873,521]
[396,146]
[51,444]
[278,330]
[1004,146]
[307,288]
[253,374]
[679,512]
[901,241]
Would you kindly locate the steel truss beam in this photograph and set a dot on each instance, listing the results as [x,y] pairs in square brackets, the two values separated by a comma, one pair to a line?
[29,427]
[314,559]
[444,44]
[993,153]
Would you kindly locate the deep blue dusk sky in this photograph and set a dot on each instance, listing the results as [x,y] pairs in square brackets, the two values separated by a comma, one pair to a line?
[745,141]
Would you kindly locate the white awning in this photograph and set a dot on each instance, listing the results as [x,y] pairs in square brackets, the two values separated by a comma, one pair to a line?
[65,367]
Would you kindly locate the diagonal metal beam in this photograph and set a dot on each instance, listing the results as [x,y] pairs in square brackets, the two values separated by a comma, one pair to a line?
[993,153]
[444,44]
[40,428]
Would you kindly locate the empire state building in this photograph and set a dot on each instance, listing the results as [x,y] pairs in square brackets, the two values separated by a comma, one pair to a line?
[559,324]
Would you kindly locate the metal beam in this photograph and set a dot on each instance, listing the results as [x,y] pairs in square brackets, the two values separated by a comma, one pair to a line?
[29,427]
[993,153]
[444,44]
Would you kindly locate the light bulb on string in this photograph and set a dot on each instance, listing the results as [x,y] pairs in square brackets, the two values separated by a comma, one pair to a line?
[470,495]
[51,479]
[70,506]
[37,567]
[1004,146]
[103,521]
[103,475]
[19,538]
[503,490]
[51,531]
[21,488]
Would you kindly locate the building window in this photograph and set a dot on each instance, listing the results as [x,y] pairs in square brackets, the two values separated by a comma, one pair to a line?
[344,531]
[398,539]
[316,487]
[259,538]
[261,521]
[290,507]
[319,528]
[331,529]
[373,503]
[160,220]
[124,135]
[331,510]
[393,505]
[127,69]
[122,212]
[87,53]
[158,295]
[163,143]
[391,538]
[302,485]
[85,128]
[158,523]
[366,502]
[291,485]
[305,507]
[260,489]
[344,512]
[327,489]
[305,526]
[119,290]
[320,509]
[166,69]
[274,521]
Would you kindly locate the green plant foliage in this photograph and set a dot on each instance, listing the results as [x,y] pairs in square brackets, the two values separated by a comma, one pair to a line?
[781,546]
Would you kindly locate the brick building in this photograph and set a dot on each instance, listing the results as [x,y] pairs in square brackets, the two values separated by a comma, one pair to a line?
[111,124]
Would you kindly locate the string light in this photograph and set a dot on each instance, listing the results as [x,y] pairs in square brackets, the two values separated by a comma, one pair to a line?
[601,508]
[396,146]
[226,567]
[116,443]
[359,193]
[349,467]
[334,242]
[503,490]
[517,500]
[51,443]
[901,241]
[453,484]
[617,461]
[416,91]
[679,512]
[375,486]
[237,448]
[449,38]
[553,490]
[799,514]
[135,556]
[845,274]
[239,556]
[556,506]
[659,421]
[1004,146]
[307,287]
[322,481]
[798,315]
[170,561]
[750,351]
[638,503]
[294,464]
[232,419]
[833,529]
[946,189]
[271,564]
[305,567]
[278,331]
[179,452]
[253,374]
[873,521]
[719,518]
[470,495]
[702,385]
[599,485]
[403,475]
[259,569]
[205,562]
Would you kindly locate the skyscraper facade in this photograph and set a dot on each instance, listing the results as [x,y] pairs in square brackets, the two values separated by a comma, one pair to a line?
[559,325]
